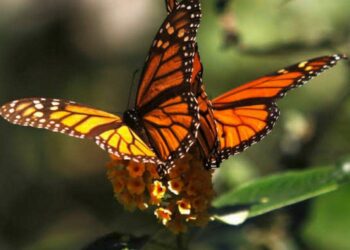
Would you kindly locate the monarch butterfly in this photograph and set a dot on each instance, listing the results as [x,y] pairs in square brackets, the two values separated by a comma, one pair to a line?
[243,116]
[207,139]
[164,122]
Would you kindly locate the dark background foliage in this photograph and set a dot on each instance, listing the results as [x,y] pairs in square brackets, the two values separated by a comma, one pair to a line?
[54,194]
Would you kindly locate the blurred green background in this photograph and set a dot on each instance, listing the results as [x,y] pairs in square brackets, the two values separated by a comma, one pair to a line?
[54,193]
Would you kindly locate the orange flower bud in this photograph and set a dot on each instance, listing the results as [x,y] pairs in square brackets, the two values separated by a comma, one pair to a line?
[135,169]
[136,185]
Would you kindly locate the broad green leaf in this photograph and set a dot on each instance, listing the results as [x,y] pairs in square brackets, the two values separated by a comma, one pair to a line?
[329,215]
[280,190]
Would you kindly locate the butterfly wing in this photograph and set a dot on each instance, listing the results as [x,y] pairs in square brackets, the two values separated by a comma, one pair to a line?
[207,133]
[169,64]
[171,5]
[80,121]
[240,127]
[168,109]
[247,113]
[275,85]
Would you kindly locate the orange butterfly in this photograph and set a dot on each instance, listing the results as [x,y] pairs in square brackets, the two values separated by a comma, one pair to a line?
[207,137]
[243,116]
[164,122]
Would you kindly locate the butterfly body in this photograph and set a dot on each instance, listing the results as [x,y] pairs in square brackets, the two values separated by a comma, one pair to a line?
[131,118]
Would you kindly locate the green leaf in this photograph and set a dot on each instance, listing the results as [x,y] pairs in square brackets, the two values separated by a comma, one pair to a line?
[280,190]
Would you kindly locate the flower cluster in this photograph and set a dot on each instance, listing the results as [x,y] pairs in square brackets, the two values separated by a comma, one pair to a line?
[180,198]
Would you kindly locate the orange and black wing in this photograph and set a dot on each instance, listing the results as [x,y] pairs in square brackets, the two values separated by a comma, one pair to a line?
[207,136]
[207,133]
[171,5]
[168,109]
[275,85]
[207,139]
[80,121]
[241,126]
[247,113]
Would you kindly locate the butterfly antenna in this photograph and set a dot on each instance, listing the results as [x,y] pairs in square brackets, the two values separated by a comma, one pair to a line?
[132,87]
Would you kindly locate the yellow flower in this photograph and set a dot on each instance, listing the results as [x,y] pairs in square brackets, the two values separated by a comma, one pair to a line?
[178,199]
[157,191]
[136,185]
[176,185]
[184,207]
[163,214]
